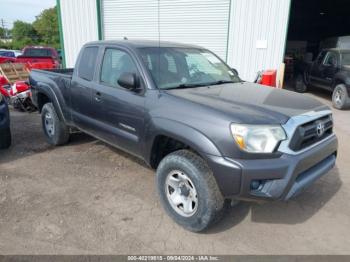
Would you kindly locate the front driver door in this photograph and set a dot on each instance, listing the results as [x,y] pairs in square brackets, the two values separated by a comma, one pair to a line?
[317,67]
[120,112]
[331,65]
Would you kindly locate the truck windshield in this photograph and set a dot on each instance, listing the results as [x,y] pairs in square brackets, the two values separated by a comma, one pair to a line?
[172,67]
[346,59]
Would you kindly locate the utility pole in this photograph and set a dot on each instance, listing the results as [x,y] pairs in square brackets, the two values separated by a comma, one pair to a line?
[3,26]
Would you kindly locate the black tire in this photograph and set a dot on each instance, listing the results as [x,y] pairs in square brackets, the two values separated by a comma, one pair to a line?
[340,97]
[299,84]
[7,100]
[5,138]
[59,133]
[210,200]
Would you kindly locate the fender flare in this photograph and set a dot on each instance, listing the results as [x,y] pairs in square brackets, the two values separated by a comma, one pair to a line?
[343,78]
[181,132]
[47,90]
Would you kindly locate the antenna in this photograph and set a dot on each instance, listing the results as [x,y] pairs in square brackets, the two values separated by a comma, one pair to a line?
[158,69]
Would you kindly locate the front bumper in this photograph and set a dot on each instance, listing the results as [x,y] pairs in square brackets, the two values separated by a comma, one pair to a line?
[281,178]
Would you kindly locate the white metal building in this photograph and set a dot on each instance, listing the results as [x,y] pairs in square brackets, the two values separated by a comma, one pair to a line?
[249,34]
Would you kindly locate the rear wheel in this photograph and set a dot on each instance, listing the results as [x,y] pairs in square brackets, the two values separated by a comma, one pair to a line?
[188,191]
[340,97]
[56,131]
[5,138]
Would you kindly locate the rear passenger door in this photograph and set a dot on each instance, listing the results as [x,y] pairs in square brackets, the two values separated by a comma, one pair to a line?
[119,111]
[81,89]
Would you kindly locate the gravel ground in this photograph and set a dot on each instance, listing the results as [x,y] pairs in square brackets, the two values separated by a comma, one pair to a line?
[88,198]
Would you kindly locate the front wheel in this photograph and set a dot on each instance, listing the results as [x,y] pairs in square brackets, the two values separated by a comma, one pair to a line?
[56,131]
[340,97]
[188,190]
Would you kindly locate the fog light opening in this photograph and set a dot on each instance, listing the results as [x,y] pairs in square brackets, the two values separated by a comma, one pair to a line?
[256,185]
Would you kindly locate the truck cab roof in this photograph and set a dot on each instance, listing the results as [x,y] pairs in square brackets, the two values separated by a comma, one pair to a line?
[142,43]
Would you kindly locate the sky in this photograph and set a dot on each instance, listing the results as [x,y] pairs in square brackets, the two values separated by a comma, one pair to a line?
[25,10]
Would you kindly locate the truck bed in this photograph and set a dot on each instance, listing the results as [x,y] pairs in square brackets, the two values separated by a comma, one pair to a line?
[66,73]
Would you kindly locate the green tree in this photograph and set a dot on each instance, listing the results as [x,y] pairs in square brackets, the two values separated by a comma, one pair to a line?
[23,34]
[2,32]
[46,25]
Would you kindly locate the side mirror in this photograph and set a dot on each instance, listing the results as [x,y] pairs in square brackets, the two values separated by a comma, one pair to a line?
[129,81]
[234,71]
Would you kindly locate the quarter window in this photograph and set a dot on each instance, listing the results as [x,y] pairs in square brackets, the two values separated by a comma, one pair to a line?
[115,63]
[87,64]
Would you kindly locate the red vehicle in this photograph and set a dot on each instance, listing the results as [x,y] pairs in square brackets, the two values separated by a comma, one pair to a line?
[3,85]
[5,59]
[38,54]
[18,95]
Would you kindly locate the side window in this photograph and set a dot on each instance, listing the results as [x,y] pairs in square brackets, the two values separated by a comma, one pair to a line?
[115,63]
[87,63]
[331,59]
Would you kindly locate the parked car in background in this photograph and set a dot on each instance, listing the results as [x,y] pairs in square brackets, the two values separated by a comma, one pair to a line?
[39,54]
[7,59]
[211,136]
[10,53]
[7,53]
[17,52]
[5,133]
[329,71]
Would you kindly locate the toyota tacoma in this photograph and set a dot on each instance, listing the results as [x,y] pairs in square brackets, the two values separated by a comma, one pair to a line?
[210,136]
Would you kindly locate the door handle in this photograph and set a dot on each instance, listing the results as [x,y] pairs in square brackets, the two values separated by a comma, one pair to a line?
[98,97]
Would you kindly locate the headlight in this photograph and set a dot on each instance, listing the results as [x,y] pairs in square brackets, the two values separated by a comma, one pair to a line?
[258,138]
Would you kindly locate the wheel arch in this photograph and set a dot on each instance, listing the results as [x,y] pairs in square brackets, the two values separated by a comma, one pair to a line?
[180,136]
[46,95]
[341,78]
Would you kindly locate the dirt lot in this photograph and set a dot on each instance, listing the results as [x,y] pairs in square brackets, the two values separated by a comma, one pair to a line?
[87,197]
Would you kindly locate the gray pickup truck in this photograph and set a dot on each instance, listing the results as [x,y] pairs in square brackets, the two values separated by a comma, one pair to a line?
[212,137]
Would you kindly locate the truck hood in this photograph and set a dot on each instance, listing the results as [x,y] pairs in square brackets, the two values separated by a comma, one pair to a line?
[250,103]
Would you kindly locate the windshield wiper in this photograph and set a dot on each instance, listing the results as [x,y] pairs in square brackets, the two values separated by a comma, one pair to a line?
[186,86]
[220,82]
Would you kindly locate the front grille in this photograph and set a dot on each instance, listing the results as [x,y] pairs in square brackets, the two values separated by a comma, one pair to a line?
[307,134]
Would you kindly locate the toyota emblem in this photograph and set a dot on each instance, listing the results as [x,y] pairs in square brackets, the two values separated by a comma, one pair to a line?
[320,129]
